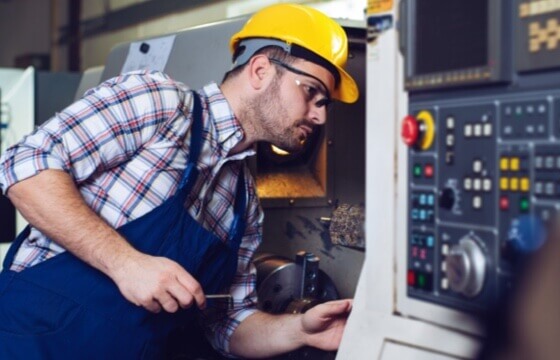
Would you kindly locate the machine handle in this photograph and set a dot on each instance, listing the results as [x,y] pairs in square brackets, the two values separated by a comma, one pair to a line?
[310,274]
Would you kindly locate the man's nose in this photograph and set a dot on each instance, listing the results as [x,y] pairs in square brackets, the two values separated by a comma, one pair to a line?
[318,115]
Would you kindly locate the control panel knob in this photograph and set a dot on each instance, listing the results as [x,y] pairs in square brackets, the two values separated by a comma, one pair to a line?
[447,198]
[526,234]
[466,267]
[418,131]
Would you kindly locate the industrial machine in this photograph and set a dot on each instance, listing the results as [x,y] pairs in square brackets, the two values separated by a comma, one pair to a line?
[474,124]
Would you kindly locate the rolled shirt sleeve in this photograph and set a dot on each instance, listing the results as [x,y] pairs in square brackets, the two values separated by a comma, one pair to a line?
[100,131]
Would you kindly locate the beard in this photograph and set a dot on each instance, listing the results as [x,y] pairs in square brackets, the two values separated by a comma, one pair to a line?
[269,116]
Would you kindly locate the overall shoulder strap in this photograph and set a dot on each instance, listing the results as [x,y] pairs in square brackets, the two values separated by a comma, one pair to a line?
[239,209]
[191,172]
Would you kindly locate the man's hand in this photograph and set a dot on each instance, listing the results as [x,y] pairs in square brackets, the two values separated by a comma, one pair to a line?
[263,335]
[324,324]
[157,283]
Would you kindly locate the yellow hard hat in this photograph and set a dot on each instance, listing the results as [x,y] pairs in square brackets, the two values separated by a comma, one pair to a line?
[303,32]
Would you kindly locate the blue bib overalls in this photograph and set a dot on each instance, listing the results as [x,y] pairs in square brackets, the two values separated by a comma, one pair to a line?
[63,308]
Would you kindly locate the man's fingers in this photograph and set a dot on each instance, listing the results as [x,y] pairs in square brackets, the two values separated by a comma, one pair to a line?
[168,303]
[194,288]
[183,297]
[159,283]
[153,306]
[336,308]
[344,306]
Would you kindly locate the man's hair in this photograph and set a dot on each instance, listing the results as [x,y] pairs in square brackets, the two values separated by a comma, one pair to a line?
[273,52]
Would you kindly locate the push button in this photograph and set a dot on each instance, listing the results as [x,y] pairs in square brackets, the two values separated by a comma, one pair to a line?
[487,185]
[477,184]
[421,280]
[514,164]
[539,188]
[524,204]
[477,202]
[504,164]
[514,184]
[477,166]
[410,131]
[525,184]
[411,278]
[429,170]
[487,129]
[477,130]
[504,203]
[467,184]
[450,140]
[450,121]
[468,130]
[418,131]
[430,241]
[504,184]
[539,162]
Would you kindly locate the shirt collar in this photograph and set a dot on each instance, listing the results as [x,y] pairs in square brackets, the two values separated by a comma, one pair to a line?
[228,129]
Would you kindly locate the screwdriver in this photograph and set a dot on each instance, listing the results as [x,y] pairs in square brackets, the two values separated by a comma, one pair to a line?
[228,297]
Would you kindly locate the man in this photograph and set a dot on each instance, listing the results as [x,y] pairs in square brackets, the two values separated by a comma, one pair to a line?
[140,203]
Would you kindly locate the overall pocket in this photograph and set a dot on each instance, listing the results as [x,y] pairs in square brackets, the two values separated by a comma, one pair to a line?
[28,309]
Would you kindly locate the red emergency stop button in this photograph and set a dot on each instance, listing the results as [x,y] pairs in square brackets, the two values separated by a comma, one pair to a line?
[419,131]
[410,130]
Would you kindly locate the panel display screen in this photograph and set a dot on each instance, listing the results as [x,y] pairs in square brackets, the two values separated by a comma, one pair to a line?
[450,35]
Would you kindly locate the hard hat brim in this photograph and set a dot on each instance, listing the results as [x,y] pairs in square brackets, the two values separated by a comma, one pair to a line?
[347,91]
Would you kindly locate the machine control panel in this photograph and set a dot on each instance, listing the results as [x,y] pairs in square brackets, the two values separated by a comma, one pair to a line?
[483,154]
[492,165]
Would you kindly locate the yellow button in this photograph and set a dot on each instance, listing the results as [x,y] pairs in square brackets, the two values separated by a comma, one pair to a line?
[504,164]
[514,184]
[504,184]
[514,164]
[525,184]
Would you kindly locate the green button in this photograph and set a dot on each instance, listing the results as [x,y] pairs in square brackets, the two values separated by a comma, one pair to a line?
[417,170]
[524,204]
[421,280]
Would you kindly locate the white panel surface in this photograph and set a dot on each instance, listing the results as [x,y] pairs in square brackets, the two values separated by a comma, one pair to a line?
[394,351]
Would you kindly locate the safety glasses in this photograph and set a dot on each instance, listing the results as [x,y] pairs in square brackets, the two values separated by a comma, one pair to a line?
[318,94]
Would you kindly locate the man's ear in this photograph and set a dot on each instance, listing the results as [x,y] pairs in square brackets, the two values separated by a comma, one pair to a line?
[261,71]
